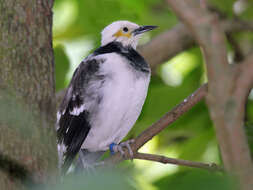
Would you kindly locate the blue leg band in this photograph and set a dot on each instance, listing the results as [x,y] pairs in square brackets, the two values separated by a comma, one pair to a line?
[111,148]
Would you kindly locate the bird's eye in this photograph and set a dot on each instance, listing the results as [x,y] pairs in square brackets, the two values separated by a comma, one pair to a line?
[125,29]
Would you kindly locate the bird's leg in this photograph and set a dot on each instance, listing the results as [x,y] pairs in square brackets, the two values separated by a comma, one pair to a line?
[119,148]
[88,161]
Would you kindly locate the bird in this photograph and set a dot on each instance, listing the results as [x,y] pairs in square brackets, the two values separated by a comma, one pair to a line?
[104,97]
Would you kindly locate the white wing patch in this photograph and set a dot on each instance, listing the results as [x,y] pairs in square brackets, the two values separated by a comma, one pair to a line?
[77,110]
[61,150]
[59,114]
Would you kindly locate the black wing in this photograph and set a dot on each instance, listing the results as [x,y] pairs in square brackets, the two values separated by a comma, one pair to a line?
[81,98]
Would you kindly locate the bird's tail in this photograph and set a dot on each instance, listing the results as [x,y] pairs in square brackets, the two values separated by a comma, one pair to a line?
[85,160]
[65,160]
[67,163]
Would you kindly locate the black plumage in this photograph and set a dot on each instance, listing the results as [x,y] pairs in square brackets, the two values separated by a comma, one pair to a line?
[73,129]
[135,59]
[77,130]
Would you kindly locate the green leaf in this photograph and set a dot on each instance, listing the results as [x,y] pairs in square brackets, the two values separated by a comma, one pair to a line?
[225,6]
[61,67]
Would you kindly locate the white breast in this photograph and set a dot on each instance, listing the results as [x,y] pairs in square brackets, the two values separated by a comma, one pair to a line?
[124,93]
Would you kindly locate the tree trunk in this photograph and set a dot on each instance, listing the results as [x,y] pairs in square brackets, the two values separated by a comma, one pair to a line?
[27,97]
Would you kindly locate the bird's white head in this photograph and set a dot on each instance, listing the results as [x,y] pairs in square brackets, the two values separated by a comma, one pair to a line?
[125,32]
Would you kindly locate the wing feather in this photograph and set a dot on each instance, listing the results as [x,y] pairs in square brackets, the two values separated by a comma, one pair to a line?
[79,103]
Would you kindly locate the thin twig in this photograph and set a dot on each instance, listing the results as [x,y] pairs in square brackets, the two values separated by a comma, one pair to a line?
[166,160]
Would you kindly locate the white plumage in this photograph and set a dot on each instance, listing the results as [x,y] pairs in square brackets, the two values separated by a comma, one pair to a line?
[124,94]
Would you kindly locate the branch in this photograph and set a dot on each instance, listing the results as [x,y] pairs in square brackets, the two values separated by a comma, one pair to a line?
[166,160]
[161,124]
[206,30]
[245,80]
[169,43]
[226,107]
[166,45]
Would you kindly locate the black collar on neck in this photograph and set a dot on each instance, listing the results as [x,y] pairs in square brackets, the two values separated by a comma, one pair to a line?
[134,58]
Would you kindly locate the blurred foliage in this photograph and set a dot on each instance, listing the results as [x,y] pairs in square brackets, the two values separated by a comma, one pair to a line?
[225,6]
[77,27]
[197,180]
[62,68]
[101,179]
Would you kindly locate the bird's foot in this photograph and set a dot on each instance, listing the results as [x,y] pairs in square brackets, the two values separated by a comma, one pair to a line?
[119,148]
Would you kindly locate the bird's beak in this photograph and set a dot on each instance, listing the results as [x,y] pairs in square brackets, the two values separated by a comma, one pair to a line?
[143,29]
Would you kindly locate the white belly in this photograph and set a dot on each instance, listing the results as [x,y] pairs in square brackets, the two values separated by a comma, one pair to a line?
[124,95]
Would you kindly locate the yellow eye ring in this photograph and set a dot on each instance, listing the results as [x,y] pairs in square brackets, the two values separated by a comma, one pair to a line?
[122,34]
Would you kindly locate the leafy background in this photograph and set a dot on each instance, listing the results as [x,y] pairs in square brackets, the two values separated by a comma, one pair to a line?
[77,26]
